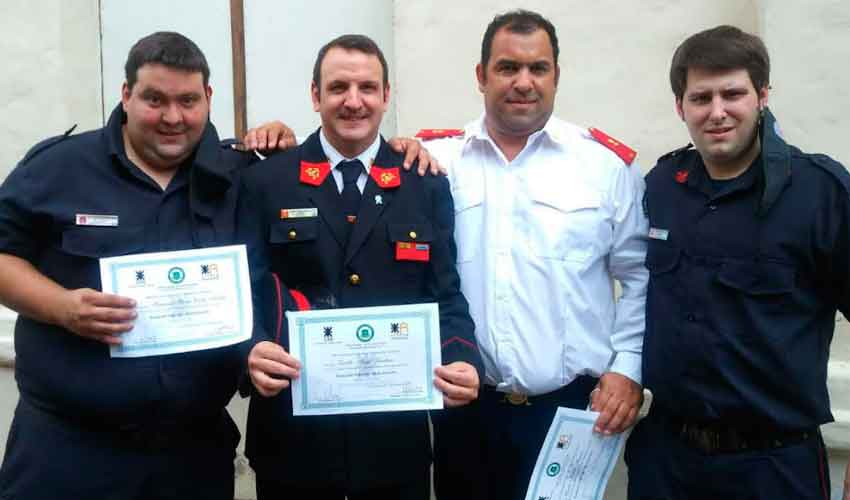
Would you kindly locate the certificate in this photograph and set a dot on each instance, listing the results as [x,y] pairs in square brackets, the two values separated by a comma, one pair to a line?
[366,359]
[575,463]
[186,300]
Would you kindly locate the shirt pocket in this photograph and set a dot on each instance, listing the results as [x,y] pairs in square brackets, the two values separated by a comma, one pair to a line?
[757,279]
[291,231]
[411,233]
[566,225]
[95,242]
[469,215]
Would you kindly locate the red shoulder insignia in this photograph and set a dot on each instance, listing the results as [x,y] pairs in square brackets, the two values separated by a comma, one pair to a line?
[625,153]
[426,134]
[385,177]
[314,173]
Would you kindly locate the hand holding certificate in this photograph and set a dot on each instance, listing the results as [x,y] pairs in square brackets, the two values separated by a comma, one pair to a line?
[575,463]
[365,359]
[186,300]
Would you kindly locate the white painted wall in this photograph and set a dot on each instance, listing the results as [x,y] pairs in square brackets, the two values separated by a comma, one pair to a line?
[281,43]
[206,22]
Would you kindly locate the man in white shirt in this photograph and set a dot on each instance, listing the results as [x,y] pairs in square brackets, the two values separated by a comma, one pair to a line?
[547,216]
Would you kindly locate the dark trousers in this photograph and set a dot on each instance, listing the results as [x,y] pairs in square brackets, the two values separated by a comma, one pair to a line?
[48,458]
[663,467]
[271,489]
[487,450]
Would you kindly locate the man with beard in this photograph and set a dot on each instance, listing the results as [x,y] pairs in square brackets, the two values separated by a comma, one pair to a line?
[749,256]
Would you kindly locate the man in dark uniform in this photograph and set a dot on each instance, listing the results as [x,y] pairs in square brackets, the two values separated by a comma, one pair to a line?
[366,233]
[153,179]
[749,257]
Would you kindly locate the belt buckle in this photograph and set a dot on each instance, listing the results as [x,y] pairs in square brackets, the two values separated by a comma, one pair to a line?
[517,399]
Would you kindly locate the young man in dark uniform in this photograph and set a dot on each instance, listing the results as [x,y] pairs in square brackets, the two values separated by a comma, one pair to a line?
[155,178]
[366,233]
[749,257]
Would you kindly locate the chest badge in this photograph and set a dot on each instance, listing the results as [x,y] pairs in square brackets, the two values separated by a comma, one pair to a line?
[658,234]
[419,252]
[379,200]
[97,220]
[682,176]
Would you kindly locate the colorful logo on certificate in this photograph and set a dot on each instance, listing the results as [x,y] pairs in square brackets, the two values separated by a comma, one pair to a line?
[209,271]
[553,469]
[176,275]
[140,277]
[365,333]
[329,333]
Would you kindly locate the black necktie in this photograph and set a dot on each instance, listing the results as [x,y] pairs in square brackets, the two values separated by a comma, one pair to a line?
[351,170]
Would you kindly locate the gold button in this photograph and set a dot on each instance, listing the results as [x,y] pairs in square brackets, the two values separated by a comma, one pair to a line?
[354,279]
[292,234]
[412,235]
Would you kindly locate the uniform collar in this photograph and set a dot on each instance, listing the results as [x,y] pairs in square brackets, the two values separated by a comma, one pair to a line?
[312,151]
[334,156]
[775,161]
[557,131]
[213,173]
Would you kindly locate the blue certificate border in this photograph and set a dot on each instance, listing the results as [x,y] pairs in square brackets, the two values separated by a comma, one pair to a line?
[233,256]
[547,457]
[429,362]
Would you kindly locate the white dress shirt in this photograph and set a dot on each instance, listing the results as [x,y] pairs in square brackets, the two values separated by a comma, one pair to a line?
[334,157]
[540,240]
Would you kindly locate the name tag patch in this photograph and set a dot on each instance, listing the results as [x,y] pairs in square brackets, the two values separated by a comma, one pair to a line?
[298,213]
[419,252]
[658,234]
[97,220]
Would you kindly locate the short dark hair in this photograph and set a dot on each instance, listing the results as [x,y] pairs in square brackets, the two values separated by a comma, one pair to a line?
[720,49]
[360,43]
[169,49]
[518,21]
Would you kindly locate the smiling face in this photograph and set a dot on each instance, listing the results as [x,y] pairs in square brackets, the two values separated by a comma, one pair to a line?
[519,83]
[352,99]
[721,110]
[167,110]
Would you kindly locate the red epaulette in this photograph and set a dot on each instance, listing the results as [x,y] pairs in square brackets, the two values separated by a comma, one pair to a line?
[426,134]
[625,153]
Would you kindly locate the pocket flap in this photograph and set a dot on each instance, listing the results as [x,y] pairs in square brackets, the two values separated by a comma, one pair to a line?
[757,277]
[410,232]
[465,198]
[294,230]
[661,258]
[97,241]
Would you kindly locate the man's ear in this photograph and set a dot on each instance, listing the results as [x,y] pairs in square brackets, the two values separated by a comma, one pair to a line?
[763,97]
[314,96]
[481,75]
[679,110]
[125,95]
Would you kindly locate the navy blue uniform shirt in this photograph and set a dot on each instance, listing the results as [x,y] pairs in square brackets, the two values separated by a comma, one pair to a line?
[746,279]
[312,254]
[89,173]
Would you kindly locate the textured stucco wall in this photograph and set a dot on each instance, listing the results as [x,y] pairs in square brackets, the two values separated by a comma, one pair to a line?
[51,72]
